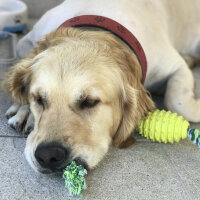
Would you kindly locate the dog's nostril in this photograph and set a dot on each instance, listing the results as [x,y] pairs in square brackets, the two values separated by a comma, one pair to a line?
[54,160]
[51,155]
[40,160]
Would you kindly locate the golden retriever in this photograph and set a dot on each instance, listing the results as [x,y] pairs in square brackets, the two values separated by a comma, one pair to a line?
[83,85]
[83,104]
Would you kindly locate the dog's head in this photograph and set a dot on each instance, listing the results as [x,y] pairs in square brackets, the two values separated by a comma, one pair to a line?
[84,90]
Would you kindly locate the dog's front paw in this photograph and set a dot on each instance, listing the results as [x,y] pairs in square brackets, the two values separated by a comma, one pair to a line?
[20,118]
[12,110]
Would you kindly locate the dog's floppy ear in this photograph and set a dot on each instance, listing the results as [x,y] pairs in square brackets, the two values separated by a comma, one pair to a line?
[17,81]
[135,103]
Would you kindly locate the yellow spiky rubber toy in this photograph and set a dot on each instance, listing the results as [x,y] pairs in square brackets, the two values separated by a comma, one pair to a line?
[165,126]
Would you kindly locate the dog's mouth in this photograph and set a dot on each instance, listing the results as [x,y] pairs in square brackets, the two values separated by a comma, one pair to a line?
[78,160]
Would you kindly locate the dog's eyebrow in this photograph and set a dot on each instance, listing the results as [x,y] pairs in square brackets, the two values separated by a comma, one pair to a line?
[80,95]
[84,96]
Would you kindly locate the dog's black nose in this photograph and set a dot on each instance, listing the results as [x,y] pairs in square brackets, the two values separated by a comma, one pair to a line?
[52,155]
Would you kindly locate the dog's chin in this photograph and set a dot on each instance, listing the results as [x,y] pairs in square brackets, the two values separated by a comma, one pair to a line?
[49,171]
[41,170]
[30,160]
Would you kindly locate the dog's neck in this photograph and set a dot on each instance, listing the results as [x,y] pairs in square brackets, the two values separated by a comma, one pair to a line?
[100,22]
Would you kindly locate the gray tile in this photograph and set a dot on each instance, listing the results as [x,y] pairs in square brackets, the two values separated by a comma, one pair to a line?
[19,181]
[140,172]
[184,158]
[5,102]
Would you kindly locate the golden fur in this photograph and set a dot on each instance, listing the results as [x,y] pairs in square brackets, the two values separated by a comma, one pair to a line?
[71,62]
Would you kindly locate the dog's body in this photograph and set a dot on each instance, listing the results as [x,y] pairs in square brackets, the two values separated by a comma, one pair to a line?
[165,30]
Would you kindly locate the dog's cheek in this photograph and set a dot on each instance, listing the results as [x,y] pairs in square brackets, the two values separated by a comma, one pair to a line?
[94,148]
[102,126]
[37,113]
[91,154]
[30,149]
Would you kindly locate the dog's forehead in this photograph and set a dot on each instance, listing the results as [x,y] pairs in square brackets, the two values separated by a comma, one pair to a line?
[73,84]
[74,76]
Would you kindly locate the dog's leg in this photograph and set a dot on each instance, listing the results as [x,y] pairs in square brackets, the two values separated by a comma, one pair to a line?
[179,95]
[20,118]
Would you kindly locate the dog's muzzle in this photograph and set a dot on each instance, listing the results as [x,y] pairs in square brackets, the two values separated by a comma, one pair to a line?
[54,157]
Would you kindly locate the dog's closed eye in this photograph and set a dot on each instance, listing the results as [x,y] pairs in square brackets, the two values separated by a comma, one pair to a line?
[89,103]
[40,101]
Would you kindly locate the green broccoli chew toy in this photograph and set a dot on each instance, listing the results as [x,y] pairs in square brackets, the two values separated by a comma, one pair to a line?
[164,126]
[160,126]
[74,179]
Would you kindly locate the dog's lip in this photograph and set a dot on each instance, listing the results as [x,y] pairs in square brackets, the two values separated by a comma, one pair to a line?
[78,160]
[51,171]
[46,171]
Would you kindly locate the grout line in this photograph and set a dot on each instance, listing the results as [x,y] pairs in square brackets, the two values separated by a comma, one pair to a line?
[11,136]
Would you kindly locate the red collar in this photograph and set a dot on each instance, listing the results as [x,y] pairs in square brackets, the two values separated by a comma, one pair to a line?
[117,29]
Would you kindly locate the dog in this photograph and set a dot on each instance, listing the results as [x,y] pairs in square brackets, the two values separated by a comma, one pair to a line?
[80,89]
